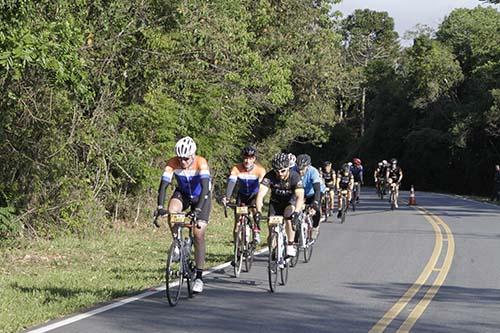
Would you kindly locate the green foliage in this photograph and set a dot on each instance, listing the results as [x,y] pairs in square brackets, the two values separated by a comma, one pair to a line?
[8,224]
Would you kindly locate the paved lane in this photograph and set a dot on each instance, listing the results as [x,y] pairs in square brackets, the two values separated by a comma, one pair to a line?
[359,270]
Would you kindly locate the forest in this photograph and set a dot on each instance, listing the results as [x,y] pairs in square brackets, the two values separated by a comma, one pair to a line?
[94,95]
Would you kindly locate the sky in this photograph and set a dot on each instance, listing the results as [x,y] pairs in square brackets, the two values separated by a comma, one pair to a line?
[408,13]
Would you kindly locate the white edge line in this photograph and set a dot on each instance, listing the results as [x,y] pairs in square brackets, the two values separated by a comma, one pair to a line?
[121,302]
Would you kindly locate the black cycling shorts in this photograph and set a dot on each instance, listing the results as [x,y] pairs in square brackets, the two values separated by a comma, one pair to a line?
[247,200]
[191,203]
[278,207]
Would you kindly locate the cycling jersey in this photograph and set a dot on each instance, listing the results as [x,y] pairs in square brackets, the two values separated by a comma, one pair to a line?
[328,177]
[357,172]
[282,190]
[344,181]
[311,176]
[247,180]
[395,173]
[188,180]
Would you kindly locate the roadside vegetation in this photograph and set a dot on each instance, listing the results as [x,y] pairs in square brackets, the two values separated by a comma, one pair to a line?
[94,95]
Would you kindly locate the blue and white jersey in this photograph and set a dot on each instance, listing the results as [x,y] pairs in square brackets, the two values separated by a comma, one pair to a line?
[310,177]
[188,180]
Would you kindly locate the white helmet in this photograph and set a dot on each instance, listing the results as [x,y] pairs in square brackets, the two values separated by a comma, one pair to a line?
[185,147]
[292,159]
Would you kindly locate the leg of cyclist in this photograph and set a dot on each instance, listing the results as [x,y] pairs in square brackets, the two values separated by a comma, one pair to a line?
[290,233]
[332,199]
[175,205]
[199,244]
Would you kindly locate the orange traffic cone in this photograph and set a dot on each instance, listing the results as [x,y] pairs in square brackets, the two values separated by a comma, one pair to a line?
[412,201]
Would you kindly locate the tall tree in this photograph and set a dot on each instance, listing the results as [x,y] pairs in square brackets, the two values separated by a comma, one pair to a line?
[368,36]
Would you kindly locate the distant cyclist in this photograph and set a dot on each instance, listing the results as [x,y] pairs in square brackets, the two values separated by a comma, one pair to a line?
[357,172]
[330,178]
[379,175]
[345,181]
[193,191]
[312,189]
[395,173]
[287,195]
[247,175]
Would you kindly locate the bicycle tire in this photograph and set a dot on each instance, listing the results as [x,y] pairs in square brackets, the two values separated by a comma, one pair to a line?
[174,274]
[344,211]
[239,248]
[308,252]
[189,276]
[272,262]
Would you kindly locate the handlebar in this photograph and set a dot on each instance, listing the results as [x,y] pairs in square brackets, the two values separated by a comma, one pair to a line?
[191,215]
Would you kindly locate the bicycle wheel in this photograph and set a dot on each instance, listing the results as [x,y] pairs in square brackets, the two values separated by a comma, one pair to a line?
[308,251]
[189,274]
[239,249]
[250,248]
[344,210]
[174,273]
[272,261]
[392,200]
[353,201]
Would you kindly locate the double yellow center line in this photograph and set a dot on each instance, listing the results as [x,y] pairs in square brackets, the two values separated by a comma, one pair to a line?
[443,235]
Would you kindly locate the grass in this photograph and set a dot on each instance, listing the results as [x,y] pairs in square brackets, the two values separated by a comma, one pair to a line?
[48,279]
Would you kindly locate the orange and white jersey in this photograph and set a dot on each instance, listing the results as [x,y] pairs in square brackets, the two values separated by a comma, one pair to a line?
[248,180]
[188,180]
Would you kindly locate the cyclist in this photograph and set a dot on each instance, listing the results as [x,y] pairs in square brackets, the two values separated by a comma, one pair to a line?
[345,181]
[312,189]
[395,173]
[329,176]
[287,195]
[357,172]
[293,159]
[379,175]
[193,191]
[247,175]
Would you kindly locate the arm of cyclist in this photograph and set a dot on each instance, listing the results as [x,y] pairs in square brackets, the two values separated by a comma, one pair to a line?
[259,201]
[231,184]
[317,195]
[299,193]
[166,179]
[205,186]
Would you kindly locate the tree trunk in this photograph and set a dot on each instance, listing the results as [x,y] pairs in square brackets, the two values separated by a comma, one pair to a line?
[363,100]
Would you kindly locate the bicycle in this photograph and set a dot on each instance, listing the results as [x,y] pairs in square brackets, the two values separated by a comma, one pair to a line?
[304,238]
[244,247]
[354,196]
[326,204]
[277,252]
[344,202]
[381,188]
[180,264]
[392,193]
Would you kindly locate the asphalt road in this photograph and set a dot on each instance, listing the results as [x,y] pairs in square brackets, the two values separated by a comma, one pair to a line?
[430,268]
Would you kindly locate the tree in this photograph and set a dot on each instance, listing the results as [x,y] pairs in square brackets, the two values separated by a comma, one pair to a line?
[368,36]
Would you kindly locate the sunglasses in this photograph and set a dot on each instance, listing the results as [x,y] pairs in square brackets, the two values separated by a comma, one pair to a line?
[185,159]
[282,170]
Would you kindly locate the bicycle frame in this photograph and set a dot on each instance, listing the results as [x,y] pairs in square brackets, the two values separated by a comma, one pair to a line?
[180,264]
[244,246]
[277,252]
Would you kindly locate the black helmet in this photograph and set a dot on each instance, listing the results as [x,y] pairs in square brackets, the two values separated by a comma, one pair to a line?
[327,163]
[280,161]
[249,151]
[346,168]
[303,161]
